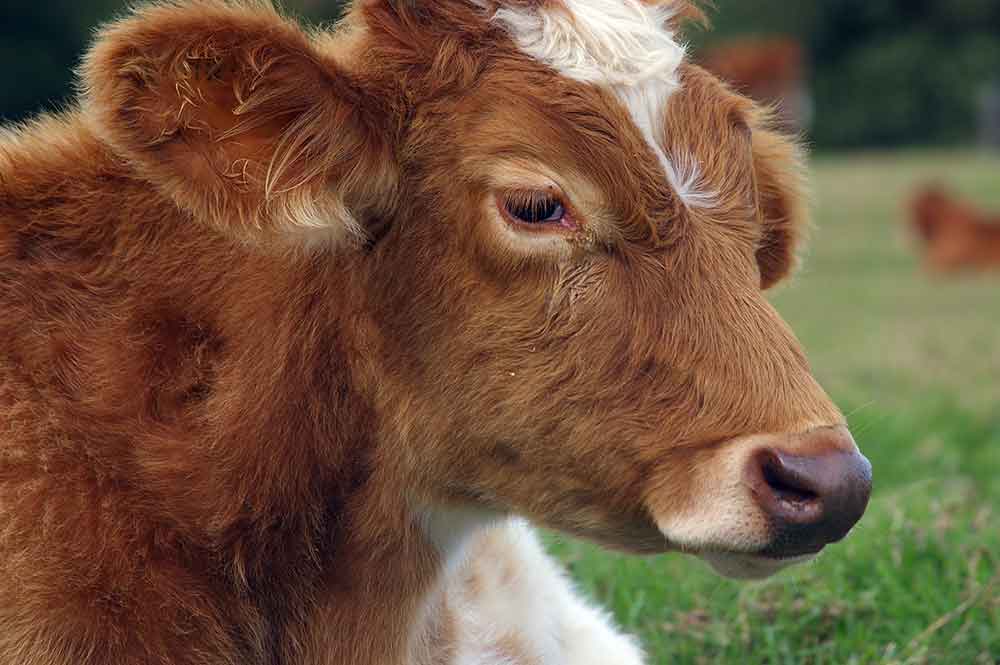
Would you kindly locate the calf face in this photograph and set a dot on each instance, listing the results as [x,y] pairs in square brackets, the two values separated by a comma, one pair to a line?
[563,233]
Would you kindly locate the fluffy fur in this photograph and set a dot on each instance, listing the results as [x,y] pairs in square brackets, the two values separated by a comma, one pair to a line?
[273,375]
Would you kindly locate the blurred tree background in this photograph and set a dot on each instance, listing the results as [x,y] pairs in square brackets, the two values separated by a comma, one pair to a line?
[41,42]
[884,72]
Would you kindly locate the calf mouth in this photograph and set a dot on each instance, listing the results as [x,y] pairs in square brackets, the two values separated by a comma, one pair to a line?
[741,566]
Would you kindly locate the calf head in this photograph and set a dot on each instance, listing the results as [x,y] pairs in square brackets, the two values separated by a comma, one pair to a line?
[563,232]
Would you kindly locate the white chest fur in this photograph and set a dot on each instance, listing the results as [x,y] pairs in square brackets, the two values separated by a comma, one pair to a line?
[503,601]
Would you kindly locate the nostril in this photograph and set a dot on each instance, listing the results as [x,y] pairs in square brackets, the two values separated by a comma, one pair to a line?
[788,487]
[787,492]
[789,495]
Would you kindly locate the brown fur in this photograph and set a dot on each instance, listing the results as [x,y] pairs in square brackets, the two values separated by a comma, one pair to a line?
[955,235]
[252,312]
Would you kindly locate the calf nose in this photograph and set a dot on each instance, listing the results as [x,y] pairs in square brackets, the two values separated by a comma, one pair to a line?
[812,496]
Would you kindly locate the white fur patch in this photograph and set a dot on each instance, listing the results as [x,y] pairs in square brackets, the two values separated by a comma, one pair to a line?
[722,514]
[510,592]
[613,42]
[645,103]
[624,45]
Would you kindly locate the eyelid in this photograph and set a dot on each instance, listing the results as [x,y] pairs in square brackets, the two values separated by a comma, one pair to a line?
[581,197]
[512,193]
[569,222]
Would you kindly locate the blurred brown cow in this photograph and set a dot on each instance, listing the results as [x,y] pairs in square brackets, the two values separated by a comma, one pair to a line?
[955,235]
[771,71]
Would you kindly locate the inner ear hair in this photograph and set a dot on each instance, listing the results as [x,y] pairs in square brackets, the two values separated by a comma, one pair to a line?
[232,111]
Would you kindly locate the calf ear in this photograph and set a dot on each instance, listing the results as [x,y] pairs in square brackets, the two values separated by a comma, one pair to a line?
[781,203]
[235,114]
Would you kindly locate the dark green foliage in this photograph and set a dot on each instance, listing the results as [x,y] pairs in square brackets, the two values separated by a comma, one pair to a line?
[41,42]
[885,72]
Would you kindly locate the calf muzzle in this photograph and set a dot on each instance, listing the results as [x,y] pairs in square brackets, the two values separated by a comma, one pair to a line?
[813,488]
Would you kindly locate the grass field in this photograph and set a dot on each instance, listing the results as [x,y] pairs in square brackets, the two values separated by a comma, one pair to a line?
[915,362]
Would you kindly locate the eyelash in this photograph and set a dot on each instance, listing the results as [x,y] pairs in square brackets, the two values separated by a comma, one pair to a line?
[535,209]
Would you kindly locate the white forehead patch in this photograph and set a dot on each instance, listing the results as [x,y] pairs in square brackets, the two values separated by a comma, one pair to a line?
[645,103]
[626,46]
[616,42]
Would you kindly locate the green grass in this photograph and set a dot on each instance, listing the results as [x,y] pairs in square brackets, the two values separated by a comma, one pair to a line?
[915,362]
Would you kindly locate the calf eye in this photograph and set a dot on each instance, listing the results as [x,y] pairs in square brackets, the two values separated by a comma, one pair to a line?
[535,208]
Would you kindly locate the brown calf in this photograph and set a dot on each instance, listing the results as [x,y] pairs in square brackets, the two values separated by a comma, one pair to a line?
[771,71]
[955,235]
[293,325]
